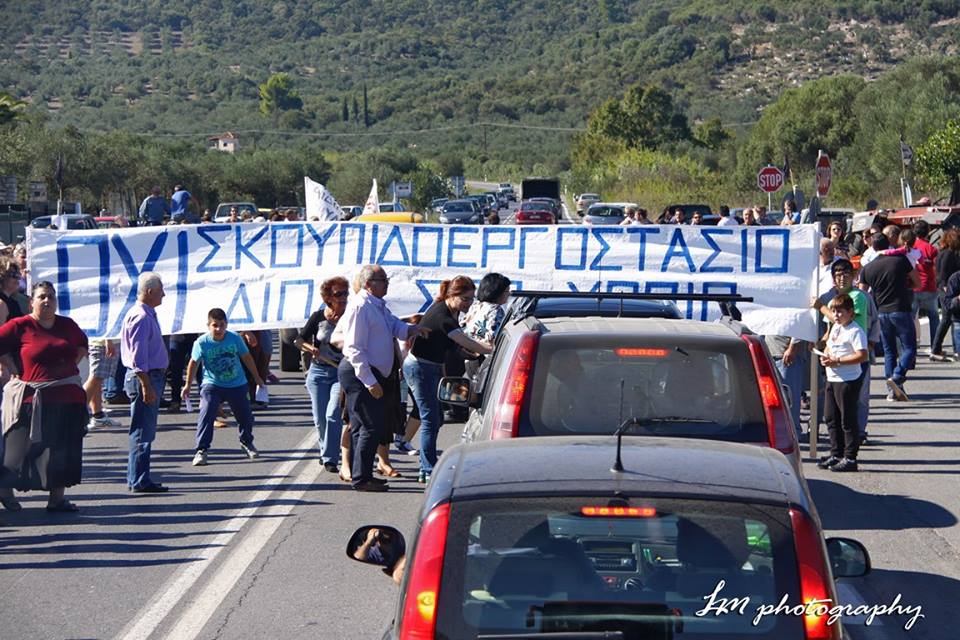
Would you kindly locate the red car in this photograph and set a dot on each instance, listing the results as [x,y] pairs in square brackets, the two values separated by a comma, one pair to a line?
[535,213]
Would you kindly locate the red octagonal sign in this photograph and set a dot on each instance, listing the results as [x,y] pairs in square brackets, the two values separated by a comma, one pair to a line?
[824,174]
[770,179]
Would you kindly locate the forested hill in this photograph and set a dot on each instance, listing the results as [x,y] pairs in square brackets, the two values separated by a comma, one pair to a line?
[177,66]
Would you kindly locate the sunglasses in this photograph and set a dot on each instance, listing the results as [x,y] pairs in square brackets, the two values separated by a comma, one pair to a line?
[340,294]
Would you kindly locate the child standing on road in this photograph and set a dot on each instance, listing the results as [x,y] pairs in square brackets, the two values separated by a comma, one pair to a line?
[224,354]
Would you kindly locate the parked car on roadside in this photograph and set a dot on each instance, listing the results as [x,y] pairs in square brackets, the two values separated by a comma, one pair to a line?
[606,212]
[584,201]
[460,212]
[75,221]
[594,537]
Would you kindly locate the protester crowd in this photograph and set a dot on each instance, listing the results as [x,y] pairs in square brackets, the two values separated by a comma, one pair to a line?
[372,377]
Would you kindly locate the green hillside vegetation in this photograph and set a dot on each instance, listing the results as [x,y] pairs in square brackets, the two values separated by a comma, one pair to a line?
[365,74]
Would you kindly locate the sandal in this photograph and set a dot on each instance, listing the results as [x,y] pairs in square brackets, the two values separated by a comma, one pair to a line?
[10,503]
[393,473]
[64,506]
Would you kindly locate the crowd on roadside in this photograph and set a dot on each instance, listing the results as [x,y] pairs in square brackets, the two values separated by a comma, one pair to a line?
[372,377]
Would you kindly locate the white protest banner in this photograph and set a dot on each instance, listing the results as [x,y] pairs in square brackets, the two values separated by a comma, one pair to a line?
[269,274]
[320,203]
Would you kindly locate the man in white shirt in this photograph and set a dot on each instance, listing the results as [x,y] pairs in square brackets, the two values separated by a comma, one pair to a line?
[726,220]
[369,330]
[827,257]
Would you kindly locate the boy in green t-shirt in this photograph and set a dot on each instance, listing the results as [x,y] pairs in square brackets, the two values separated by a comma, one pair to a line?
[224,355]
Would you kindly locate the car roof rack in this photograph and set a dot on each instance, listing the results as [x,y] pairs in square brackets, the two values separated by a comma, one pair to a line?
[528,303]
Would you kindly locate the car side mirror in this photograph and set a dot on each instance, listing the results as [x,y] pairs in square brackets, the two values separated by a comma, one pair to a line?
[848,558]
[378,545]
[454,391]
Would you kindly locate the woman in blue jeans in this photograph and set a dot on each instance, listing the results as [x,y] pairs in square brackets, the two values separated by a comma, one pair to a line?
[423,366]
[321,382]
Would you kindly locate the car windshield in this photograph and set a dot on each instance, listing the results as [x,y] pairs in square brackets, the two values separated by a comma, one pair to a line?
[457,207]
[697,387]
[606,212]
[540,566]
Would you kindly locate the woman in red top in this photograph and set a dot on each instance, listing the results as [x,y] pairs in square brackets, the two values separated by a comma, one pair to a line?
[49,346]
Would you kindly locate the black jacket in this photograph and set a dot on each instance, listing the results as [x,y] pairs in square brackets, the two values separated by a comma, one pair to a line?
[950,298]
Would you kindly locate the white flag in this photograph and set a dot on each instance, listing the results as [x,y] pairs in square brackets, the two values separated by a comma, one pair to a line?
[373,200]
[320,203]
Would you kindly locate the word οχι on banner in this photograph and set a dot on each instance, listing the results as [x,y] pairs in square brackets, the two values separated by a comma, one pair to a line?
[269,274]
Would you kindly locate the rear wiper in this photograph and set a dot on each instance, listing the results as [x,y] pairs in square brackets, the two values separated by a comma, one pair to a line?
[557,635]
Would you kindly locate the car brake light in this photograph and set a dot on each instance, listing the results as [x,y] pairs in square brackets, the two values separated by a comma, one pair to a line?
[628,352]
[507,421]
[779,424]
[618,512]
[423,577]
[816,582]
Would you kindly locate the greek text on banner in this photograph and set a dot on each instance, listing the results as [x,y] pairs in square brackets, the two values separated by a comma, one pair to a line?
[269,275]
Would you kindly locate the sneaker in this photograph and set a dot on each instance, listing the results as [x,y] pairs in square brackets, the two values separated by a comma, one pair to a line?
[896,388]
[939,357]
[863,438]
[371,487]
[890,397]
[827,462]
[845,465]
[250,450]
[200,458]
[102,422]
[330,467]
[423,478]
[404,447]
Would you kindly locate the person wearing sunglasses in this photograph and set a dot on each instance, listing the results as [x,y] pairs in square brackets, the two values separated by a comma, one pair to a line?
[846,350]
[321,379]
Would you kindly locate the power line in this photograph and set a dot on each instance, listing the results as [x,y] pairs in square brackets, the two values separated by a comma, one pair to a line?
[357,134]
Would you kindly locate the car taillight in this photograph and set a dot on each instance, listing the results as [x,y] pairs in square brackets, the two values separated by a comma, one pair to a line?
[816,582]
[423,577]
[507,418]
[779,424]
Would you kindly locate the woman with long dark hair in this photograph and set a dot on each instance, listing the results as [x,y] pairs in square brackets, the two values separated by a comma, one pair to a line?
[948,263]
[423,366]
[45,410]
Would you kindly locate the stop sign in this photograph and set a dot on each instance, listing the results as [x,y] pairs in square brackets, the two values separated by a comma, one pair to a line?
[770,179]
[824,174]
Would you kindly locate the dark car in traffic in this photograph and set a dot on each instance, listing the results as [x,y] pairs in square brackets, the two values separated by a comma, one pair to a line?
[460,212]
[584,538]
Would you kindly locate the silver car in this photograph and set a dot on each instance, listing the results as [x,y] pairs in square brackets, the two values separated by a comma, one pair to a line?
[460,212]
[607,212]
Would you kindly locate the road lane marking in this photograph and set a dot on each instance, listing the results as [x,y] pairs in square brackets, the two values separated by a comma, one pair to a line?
[146,621]
[214,592]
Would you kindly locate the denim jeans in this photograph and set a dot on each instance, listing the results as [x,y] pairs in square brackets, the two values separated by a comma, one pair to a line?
[143,426]
[423,378]
[211,396]
[895,327]
[926,303]
[793,376]
[956,336]
[324,389]
[863,406]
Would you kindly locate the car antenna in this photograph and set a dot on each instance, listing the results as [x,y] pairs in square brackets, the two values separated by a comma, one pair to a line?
[624,427]
[620,413]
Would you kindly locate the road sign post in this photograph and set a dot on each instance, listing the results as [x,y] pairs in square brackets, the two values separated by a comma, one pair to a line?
[770,180]
[824,174]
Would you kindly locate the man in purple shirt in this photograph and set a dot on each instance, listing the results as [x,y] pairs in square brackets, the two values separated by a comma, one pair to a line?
[369,334]
[144,354]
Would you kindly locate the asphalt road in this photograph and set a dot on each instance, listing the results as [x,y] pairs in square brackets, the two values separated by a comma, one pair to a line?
[256,549]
